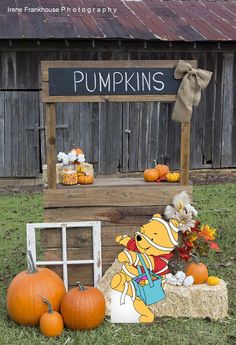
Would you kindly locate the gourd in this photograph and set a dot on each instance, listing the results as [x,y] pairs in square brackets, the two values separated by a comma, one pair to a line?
[77,151]
[85,179]
[24,304]
[173,177]
[83,308]
[51,322]
[162,169]
[212,280]
[150,175]
[199,272]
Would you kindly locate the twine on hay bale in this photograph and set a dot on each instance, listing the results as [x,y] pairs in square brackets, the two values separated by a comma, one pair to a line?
[198,301]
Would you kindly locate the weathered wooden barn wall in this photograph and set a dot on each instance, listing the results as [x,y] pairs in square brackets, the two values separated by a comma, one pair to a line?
[123,137]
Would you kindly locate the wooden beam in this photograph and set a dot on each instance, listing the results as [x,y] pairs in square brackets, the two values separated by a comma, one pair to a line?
[51,144]
[185,153]
[151,195]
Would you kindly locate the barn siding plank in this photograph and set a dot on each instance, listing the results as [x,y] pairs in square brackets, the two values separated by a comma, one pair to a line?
[2,133]
[134,120]
[217,119]
[8,137]
[233,143]
[125,137]
[154,132]
[227,123]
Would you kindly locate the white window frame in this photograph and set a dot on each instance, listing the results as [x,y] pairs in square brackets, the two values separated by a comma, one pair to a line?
[97,258]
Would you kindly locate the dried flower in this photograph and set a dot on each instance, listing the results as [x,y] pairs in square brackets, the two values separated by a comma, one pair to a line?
[207,233]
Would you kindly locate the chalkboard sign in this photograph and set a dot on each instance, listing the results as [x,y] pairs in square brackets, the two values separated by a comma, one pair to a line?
[94,81]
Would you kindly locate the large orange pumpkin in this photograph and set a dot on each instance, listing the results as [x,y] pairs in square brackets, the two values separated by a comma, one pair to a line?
[150,175]
[199,272]
[83,308]
[51,322]
[24,303]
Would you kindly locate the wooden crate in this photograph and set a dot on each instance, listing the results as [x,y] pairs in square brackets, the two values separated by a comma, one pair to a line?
[121,204]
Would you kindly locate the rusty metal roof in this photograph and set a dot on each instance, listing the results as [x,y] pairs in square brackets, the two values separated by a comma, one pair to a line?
[169,20]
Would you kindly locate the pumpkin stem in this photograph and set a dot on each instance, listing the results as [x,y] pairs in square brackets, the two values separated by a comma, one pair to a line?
[153,164]
[195,258]
[81,286]
[44,299]
[30,262]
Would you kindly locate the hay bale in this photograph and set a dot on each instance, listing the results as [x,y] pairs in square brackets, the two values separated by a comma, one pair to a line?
[199,301]
[58,173]
[87,168]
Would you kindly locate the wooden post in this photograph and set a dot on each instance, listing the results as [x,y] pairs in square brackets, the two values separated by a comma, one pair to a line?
[51,144]
[185,153]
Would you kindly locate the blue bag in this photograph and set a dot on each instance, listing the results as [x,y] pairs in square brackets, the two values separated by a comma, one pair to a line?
[152,292]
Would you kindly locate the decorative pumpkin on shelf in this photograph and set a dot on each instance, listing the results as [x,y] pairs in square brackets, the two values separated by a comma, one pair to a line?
[211,280]
[83,308]
[24,303]
[162,169]
[173,177]
[199,272]
[85,179]
[51,323]
[77,151]
[151,175]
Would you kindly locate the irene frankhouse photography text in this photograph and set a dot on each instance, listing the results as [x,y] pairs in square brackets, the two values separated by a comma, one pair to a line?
[62,9]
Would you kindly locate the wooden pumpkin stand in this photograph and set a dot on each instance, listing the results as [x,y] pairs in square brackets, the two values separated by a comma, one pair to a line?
[121,204]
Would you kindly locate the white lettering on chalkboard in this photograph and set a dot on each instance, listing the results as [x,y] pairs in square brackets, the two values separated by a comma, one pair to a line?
[158,81]
[87,82]
[76,81]
[104,83]
[117,80]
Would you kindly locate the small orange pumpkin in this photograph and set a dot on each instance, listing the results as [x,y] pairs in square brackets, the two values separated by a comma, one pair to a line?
[51,322]
[77,151]
[83,307]
[24,304]
[85,179]
[199,272]
[162,169]
[150,175]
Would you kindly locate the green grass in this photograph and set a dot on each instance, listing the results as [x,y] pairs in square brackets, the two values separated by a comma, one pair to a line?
[216,205]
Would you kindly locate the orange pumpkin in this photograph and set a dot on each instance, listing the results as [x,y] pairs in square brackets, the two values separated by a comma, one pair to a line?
[85,179]
[199,272]
[24,304]
[83,308]
[162,169]
[150,175]
[77,151]
[51,322]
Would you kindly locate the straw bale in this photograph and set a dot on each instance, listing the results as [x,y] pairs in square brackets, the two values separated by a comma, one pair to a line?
[198,301]
[58,173]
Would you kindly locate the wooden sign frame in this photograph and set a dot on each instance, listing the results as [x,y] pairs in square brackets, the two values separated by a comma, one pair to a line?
[51,112]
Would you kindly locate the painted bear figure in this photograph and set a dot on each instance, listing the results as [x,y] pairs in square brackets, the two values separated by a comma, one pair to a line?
[154,241]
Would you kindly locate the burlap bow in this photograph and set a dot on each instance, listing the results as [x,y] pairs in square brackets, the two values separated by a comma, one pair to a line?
[189,92]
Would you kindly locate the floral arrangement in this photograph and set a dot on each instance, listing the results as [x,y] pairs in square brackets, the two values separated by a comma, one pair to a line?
[70,157]
[195,239]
